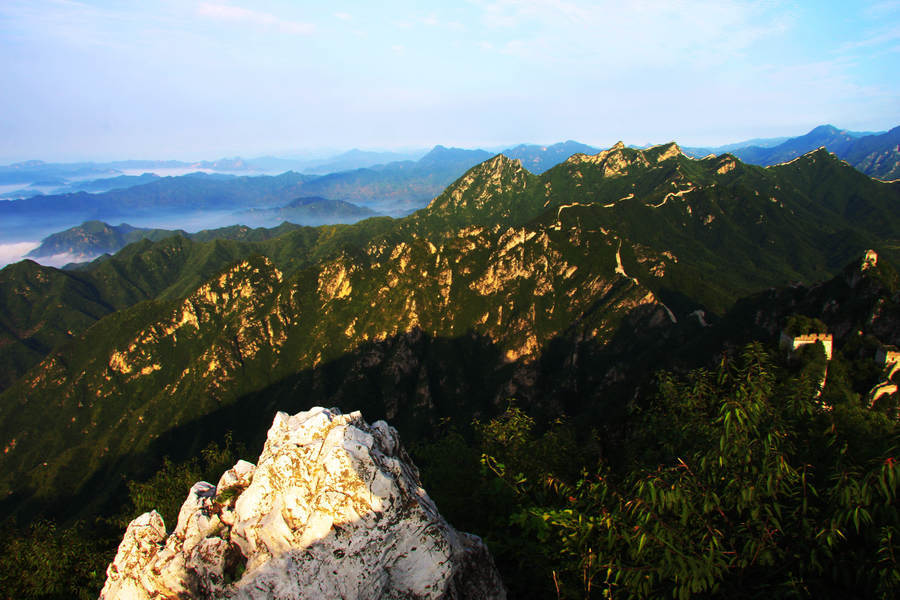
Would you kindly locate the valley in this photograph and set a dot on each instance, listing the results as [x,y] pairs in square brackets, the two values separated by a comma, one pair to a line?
[562,294]
[565,291]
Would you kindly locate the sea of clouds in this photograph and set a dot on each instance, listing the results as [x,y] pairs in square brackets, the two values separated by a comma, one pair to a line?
[11,253]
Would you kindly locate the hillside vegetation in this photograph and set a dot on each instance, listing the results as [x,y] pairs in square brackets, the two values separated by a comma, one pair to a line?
[565,291]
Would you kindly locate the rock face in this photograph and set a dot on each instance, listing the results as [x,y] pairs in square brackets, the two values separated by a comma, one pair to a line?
[333,509]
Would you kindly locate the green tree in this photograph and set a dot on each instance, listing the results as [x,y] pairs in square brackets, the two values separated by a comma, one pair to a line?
[746,488]
[167,489]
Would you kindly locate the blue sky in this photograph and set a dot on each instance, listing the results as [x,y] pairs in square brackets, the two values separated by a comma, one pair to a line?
[190,80]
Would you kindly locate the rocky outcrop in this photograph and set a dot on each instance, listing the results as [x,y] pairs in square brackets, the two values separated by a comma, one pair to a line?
[333,509]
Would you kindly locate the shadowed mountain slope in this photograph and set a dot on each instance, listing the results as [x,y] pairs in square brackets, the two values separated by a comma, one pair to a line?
[557,288]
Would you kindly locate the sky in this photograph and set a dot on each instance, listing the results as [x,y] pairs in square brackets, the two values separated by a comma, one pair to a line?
[181,79]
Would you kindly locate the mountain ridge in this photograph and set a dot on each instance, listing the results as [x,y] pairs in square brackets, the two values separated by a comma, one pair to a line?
[504,260]
[875,154]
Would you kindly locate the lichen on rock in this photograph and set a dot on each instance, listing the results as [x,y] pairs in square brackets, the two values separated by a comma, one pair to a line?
[333,509]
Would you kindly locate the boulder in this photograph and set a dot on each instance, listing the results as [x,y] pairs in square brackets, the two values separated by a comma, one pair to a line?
[333,509]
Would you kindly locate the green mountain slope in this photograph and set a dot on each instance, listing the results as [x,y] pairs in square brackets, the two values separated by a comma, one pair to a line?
[731,227]
[92,238]
[42,307]
[561,289]
[35,318]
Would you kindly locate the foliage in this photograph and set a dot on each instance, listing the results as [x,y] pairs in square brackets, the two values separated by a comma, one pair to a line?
[166,490]
[801,325]
[756,492]
[46,561]
[480,480]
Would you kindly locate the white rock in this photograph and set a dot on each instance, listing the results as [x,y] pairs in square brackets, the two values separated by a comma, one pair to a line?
[334,509]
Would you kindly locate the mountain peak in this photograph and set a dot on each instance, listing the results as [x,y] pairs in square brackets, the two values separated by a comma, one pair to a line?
[663,152]
[440,150]
[500,160]
[497,175]
[819,153]
[495,168]
[613,162]
[825,130]
[443,154]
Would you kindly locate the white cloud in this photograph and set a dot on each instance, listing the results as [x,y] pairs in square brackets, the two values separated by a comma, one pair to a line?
[15,252]
[343,16]
[61,260]
[10,253]
[229,12]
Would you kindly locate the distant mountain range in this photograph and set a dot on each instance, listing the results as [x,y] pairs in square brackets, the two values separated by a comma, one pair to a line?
[393,188]
[538,159]
[347,161]
[165,199]
[307,211]
[92,185]
[94,238]
[875,154]
[71,176]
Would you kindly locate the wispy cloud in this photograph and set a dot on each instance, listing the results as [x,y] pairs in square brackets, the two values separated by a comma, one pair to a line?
[10,253]
[230,12]
[343,16]
[633,34]
[513,13]
[884,7]
[875,38]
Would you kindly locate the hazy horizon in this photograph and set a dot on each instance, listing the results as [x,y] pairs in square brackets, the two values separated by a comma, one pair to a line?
[325,155]
[101,80]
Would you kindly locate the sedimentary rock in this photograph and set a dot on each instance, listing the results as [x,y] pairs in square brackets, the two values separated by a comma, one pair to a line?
[333,509]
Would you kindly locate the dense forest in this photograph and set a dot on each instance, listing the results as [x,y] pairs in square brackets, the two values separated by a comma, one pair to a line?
[746,480]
